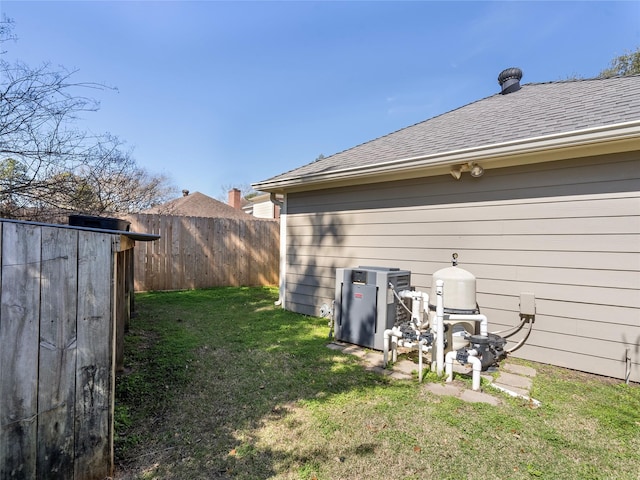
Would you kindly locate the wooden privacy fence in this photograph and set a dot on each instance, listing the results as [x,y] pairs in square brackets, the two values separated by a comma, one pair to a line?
[63,291]
[199,252]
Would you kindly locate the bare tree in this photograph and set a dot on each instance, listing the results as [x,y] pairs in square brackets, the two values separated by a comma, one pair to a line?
[48,166]
[6,30]
[117,184]
[110,182]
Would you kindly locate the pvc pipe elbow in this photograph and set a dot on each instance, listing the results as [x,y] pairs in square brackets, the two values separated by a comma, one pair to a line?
[390,342]
[476,317]
[475,374]
[425,301]
[476,365]
[449,365]
[392,332]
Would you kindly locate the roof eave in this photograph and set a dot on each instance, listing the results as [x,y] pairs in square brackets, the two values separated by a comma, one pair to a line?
[603,140]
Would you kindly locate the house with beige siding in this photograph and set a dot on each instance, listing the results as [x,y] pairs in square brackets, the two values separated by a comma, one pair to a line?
[537,188]
[261,206]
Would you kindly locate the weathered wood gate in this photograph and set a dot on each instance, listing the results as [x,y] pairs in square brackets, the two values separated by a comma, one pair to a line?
[63,292]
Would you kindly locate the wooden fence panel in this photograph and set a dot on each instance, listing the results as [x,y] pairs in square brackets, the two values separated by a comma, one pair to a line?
[56,390]
[59,303]
[95,354]
[200,252]
[19,325]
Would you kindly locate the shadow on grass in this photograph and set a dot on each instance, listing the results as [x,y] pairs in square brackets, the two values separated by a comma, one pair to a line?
[205,368]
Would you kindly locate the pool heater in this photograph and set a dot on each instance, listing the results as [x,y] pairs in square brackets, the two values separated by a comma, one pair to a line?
[365,305]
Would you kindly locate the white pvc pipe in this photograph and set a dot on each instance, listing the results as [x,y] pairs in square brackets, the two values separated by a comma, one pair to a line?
[393,337]
[425,306]
[476,365]
[394,348]
[416,311]
[449,364]
[385,347]
[419,305]
[425,302]
[439,327]
[390,334]
[484,323]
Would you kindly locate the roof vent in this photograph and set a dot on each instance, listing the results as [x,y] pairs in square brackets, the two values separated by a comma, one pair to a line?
[509,80]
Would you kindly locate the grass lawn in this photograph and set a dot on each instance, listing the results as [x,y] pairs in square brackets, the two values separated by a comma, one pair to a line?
[221,383]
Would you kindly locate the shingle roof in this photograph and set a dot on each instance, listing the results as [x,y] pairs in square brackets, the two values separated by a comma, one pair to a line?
[198,205]
[537,109]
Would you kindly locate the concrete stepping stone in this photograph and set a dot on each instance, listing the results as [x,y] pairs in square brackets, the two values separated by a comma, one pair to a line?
[440,389]
[518,369]
[520,392]
[517,381]
[473,396]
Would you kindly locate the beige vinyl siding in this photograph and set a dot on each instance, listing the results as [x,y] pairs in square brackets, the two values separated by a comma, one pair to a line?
[264,210]
[567,231]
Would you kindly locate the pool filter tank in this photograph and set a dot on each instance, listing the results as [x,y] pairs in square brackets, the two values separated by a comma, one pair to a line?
[460,294]
[459,298]
[465,334]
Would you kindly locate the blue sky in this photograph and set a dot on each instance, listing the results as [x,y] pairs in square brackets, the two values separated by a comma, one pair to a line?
[216,94]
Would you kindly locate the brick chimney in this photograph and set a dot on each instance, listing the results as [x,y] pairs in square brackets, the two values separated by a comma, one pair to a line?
[234,198]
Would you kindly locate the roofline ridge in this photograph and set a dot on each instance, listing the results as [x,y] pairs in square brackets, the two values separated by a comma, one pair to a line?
[580,79]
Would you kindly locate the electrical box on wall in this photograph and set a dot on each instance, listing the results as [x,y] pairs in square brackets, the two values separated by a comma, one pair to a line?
[365,305]
[527,304]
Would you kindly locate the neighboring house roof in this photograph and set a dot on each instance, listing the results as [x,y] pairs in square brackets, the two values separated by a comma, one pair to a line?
[537,118]
[198,205]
